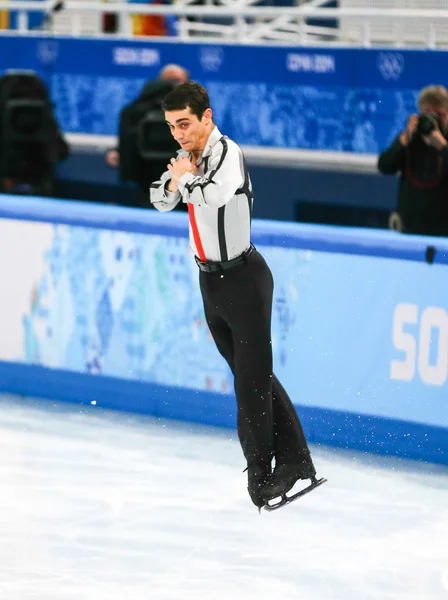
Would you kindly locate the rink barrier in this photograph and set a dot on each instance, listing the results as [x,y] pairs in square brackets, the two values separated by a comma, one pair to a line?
[346,240]
[423,436]
[367,433]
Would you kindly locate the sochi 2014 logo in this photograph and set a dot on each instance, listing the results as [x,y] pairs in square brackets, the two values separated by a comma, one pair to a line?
[390,65]
[211,58]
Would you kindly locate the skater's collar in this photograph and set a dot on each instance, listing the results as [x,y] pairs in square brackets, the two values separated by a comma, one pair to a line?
[211,142]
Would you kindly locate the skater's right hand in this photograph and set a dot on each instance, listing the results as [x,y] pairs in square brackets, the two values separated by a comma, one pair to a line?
[179,167]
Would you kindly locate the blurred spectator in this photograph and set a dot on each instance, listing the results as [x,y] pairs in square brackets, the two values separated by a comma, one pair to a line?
[420,154]
[151,25]
[31,142]
[145,141]
[142,25]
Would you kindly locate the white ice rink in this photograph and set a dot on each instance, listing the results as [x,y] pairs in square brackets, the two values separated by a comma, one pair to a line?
[105,506]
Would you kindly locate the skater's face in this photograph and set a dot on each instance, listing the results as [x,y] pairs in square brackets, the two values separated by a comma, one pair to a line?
[188,130]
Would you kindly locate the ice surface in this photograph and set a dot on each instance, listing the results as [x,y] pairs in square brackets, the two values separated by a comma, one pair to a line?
[108,506]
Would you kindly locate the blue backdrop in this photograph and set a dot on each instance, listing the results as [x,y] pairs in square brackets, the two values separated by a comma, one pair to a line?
[330,99]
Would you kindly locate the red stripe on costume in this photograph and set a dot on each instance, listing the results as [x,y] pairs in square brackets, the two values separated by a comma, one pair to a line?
[195,231]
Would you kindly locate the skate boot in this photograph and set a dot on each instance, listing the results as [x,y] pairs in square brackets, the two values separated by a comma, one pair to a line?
[257,478]
[284,478]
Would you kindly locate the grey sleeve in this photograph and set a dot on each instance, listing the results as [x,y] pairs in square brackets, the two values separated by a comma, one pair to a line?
[160,197]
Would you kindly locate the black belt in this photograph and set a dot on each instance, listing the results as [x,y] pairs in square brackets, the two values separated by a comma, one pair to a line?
[225,265]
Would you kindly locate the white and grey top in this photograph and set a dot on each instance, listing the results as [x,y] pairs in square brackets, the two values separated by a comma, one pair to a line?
[219,200]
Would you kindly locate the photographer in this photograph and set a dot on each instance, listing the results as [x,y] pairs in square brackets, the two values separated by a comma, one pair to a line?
[420,154]
[145,143]
[31,142]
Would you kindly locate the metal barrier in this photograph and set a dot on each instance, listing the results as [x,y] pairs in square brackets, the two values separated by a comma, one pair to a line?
[349,162]
[238,22]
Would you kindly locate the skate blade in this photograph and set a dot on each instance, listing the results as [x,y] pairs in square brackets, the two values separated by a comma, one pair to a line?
[288,499]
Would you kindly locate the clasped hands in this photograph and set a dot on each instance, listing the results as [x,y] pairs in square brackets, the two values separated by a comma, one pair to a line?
[180,166]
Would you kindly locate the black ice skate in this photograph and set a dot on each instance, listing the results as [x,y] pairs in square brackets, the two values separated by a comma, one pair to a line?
[256,481]
[283,479]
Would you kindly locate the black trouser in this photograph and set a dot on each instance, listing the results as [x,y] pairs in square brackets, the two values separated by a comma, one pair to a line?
[238,304]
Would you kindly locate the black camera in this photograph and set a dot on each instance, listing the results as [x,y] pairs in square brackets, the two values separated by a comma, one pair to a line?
[427,122]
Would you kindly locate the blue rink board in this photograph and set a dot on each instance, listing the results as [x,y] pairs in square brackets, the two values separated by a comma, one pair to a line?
[347,240]
[334,363]
[328,427]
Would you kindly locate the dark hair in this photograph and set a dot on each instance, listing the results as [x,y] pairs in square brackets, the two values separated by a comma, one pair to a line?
[190,94]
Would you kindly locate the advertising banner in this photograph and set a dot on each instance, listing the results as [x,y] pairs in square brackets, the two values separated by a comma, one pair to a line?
[353,100]
[353,333]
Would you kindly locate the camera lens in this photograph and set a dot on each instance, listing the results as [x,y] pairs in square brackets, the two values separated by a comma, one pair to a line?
[426,123]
